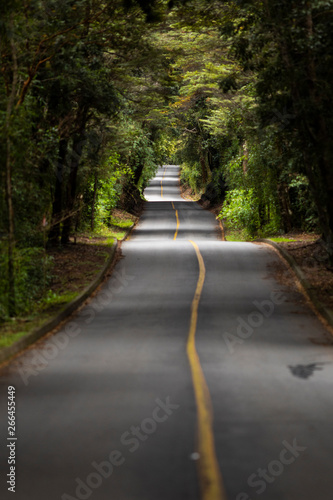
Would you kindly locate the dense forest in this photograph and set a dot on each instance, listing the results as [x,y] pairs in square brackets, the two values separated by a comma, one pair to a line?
[96,94]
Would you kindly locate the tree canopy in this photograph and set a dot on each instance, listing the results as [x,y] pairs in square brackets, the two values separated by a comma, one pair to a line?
[94,95]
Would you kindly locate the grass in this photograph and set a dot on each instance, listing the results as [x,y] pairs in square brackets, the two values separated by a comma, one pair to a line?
[16,328]
[119,223]
[8,340]
[241,235]
[280,239]
[52,299]
[235,235]
[105,234]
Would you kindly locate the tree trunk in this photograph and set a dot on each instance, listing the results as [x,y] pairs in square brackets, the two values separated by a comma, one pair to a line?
[245,158]
[54,234]
[9,187]
[11,232]
[319,129]
[205,170]
[324,199]
[137,173]
[71,189]
[284,201]
[93,205]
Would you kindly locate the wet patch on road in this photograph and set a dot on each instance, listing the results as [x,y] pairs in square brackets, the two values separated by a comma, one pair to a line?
[305,371]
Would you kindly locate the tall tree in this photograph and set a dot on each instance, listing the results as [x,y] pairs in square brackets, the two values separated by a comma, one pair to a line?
[289,45]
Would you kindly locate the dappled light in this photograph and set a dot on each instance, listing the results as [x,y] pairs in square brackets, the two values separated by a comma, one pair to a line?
[166,250]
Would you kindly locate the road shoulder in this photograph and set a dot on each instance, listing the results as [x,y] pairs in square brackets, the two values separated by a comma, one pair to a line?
[314,278]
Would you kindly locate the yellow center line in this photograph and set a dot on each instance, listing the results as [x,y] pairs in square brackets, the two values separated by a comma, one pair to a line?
[177,219]
[211,483]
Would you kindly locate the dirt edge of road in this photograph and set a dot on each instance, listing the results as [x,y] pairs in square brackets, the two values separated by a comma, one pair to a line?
[313,277]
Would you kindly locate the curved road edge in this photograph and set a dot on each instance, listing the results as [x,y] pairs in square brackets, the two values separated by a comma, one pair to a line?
[322,311]
[8,352]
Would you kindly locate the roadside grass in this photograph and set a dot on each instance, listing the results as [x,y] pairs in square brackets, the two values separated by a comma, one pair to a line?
[235,234]
[118,222]
[15,328]
[242,235]
[280,239]
[117,227]
[43,310]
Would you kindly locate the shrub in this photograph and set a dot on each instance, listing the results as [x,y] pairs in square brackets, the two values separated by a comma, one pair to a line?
[32,276]
[240,211]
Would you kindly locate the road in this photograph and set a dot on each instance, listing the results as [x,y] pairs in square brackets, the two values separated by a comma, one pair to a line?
[192,375]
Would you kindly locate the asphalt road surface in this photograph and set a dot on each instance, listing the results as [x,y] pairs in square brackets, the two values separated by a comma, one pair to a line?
[192,375]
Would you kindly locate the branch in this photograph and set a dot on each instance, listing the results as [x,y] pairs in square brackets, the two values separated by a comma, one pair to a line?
[33,71]
[11,99]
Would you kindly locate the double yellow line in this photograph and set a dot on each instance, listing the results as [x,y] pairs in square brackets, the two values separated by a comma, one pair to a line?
[211,483]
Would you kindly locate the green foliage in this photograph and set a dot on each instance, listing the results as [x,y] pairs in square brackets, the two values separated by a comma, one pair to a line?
[304,207]
[33,274]
[109,190]
[142,160]
[190,175]
[240,210]
[52,299]
[81,89]
[254,112]
[103,191]
[289,47]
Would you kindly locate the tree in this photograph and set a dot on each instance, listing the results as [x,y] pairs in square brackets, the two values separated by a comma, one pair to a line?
[289,46]
[67,66]
[263,92]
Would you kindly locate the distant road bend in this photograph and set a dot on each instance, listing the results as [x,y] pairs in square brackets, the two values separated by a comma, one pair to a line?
[192,375]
